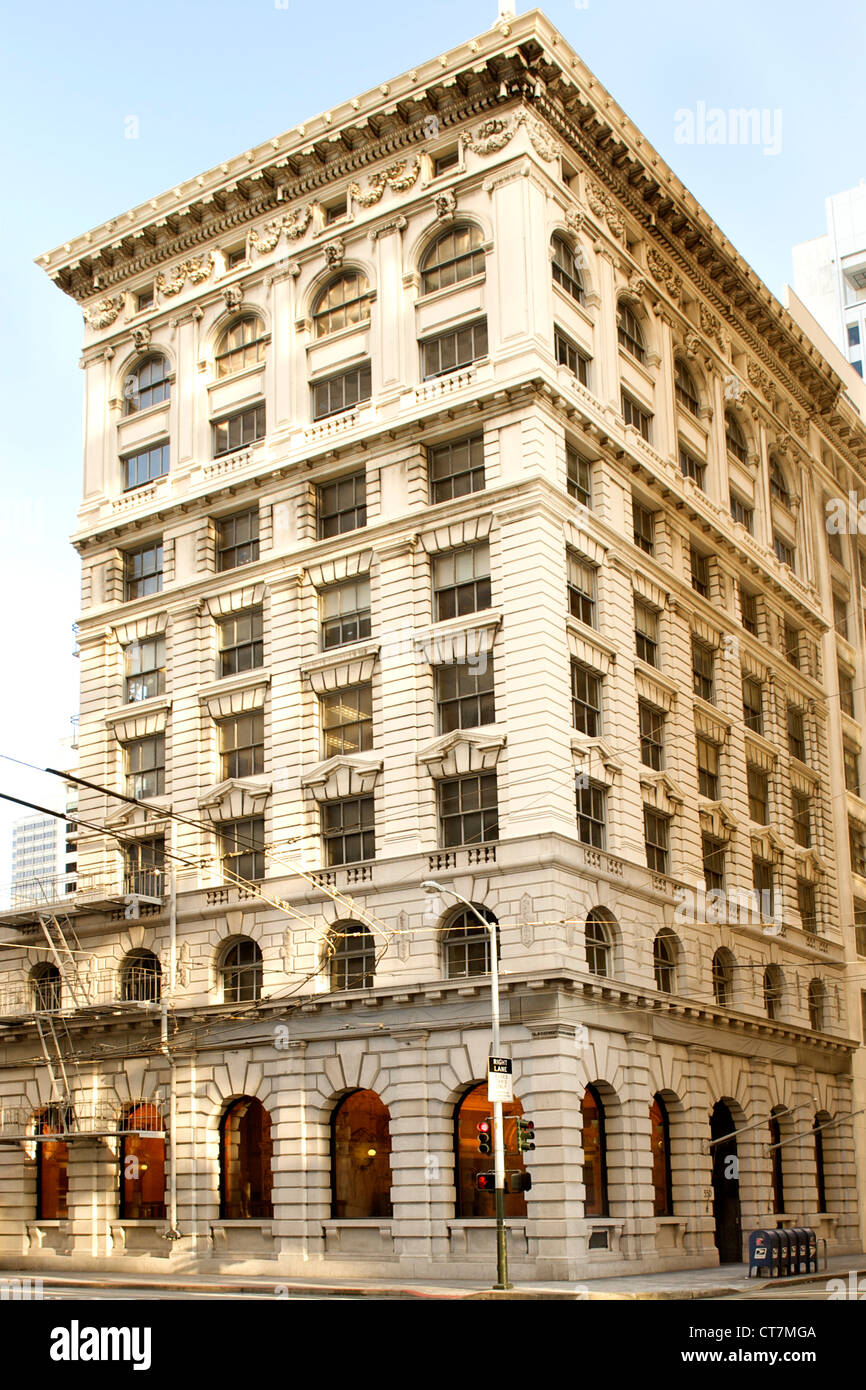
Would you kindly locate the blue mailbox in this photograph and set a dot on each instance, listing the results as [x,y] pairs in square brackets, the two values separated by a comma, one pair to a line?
[764,1254]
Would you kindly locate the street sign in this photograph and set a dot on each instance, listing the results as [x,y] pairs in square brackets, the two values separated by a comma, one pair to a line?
[499,1079]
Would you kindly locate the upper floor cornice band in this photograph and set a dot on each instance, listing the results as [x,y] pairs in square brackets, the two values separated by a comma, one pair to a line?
[524,61]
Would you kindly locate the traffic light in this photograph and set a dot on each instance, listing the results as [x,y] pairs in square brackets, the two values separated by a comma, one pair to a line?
[525,1135]
[485,1182]
[519,1182]
[485,1136]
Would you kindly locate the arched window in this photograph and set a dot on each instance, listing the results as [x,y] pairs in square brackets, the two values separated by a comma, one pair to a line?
[242,345]
[246,1181]
[469,1112]
[146,385]
[665,961]
[598,943]
[723,977]
[685,389]
[629,332]
[594,1154]
[353,962]
[822,1118]
[467,944]
[52,1166]
[361,1158]
[240,971]
[778,487]
[776,1159]
[140,977]
[47,987]
[817,1005]
[343,303]
[734,437]
[660,1138]
[454,256]
[142,1164]
[566,270]
[773,991]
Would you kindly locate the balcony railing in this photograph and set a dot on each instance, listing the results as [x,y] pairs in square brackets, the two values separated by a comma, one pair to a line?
[70,892]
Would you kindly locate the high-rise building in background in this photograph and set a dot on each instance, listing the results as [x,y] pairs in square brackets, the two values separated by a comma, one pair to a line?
[38,845]
[830,274]
[454,513]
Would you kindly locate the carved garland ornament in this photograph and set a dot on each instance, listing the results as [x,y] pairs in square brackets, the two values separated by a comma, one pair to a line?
[603,207]
[762,380]
[494,134]
[396,176]
[665,274]
[294,224]
[196,269]
[103,313]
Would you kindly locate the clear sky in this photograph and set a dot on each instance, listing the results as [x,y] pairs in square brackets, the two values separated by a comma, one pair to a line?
[208,80]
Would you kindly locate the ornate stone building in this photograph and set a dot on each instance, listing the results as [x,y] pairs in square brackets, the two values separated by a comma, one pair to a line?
[453,510]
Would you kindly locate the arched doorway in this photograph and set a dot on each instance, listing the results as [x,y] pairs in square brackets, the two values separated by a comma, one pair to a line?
[471,1110]
[726,1186]
[245,1162]
[142,1164]
[361,1158]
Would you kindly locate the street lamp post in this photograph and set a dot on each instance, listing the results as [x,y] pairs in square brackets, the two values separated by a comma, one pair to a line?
[431,886]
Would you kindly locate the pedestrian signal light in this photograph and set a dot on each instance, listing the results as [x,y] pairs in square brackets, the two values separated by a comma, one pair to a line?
[485,1182]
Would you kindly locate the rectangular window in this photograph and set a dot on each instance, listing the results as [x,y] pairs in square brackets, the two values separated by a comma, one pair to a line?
[851,758]
[449,159]
[242,745]
[634,414]
[860,926]
[341,391]
[796,733]
[144,298]
[846,691]
[342,505]
[762,882]
[742,513]
[145,767]
[569,355]
[464,696]
[237,539]
[344,612]
[468,810]
[241,647]
[646,632]
[700,572]
[708,768]
[857,846]
[581,589]
[703,670]
[753,704]
[652,733]
[144,669]
[783,551]
[461,582]
[657,840]
[759,794]
[691,467]
[348,830]
[840,615]
[807,906]
[334,211]
[792,645]
[585,699]
[749,611]
[242,848]
[145,466]
[144,864]
[347,720]
[644,527]
[143,571]
[713,858]
[235,257]
[801,811]
[448,352]
[235,431]
[578,472]
[456,469]
[592,814]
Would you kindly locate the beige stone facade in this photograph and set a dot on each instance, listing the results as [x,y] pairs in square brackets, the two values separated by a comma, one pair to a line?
[604,578]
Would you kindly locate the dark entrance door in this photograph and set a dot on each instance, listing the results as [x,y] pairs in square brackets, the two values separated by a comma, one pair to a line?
[726,1187]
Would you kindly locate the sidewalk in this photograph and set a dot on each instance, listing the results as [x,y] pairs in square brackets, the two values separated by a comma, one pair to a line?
[685,1284]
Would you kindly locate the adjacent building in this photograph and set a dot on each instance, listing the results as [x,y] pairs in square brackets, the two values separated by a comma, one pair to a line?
[454,513]
[830,273]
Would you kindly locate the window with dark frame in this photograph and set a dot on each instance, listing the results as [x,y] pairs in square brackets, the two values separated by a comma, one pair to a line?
[840,614]
[763,884]
[342,391]
[144,866]
[629,332]
[145,466]
[344,613]
[466,944]
[578,471]
[456,469]
[455,256]
[461,581]
[566,271]
[860,928]
[685,390]
[341,505]
[851,761]
[145,767]
[643,525]
[734,438]
[796,733]
[449,159]
[758,785]
[242,847]
[468,810]
[792,645]
[464,695]
[237,539]
[352,963]
[242,345]
[242,745]
[665,961]
[591,800]
[778,487]
[692,467]
[651,722]
[347,720]
[749,611]
[846,691]
[703,670]
[450,351]
[241,971]
[348,830]
[634,414]
[148,384]
[598,944]
[857,847]
[657,840]
[238,430]
[569,355]
[143,571]
[343,303]
[241,644]
[773,991]
[713,862]
[144,669]
[585,699]
[708,768]
[783,551]
[700,572]
[582,603]
[742,513]
[806,905]
[646,632]
[801,813]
